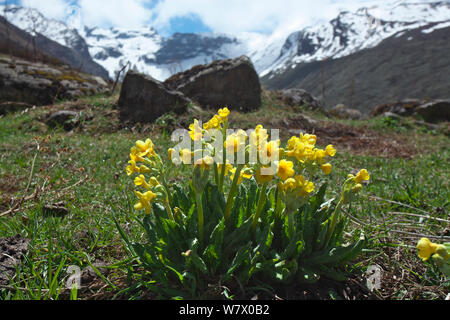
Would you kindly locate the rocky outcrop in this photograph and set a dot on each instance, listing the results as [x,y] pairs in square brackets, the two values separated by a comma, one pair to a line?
[342,112]
[429,110]
[435,111]
[231,83]
[144,99]
[402,108]
[299,97]
[41,84]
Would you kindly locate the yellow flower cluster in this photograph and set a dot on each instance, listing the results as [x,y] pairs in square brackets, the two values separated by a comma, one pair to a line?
[144,152]
[216,122]
[298,185]
[137,154]
[303,149]
[294,163]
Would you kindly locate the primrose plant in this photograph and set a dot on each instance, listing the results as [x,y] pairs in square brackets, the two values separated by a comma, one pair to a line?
[250,212]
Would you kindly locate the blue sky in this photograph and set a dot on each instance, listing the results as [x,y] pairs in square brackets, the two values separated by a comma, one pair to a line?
[170,16]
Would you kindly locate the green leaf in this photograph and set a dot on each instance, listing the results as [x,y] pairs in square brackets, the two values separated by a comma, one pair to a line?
[241,255]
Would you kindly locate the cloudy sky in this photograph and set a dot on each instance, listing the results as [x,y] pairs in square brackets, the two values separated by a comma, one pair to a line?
[169,16]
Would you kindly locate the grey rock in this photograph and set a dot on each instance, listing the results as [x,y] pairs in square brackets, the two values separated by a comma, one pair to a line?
[391,115]
[40,84]
[65,118]
[144,99]
[402,108]
[231,83]
[299,97]
[435,111]
[342,112]
[11,107]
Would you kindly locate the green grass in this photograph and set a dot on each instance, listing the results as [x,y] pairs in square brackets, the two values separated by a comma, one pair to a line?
[85,169]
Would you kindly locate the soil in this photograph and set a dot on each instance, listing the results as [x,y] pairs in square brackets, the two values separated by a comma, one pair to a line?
[11,251]
[324,289]
[357,140]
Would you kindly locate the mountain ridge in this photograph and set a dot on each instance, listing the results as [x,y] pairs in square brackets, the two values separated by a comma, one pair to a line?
[274,59]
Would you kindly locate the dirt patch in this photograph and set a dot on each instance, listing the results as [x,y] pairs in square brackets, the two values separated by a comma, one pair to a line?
[324,289]
[11,251]
[357,140]
[9,184]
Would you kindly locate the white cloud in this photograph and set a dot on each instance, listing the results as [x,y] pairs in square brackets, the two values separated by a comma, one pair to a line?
[268,16]
[117,13]
[278,18]
[54,9]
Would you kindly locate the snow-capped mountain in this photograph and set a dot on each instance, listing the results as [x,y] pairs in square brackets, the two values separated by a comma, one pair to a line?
[32,21]
[351,32]
[160,57]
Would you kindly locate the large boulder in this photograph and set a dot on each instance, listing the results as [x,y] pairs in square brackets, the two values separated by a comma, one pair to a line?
[299,97]
[144,99]
[231,83]
[402,108]
[24,82]
[435,111]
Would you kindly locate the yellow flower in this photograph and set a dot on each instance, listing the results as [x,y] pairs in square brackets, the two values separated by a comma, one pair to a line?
[330,150]
[288,184]
[144,169]
[140,181]
[308,138]
[135,155]
[263,178]
[285,169]
[224,113]
[236,141]
[362,176]
[144,148]
[132,168]
[292,142]
[195,131]
[426,248]
[319,155]
[204,163]
[306,186]
[228,167]
[145,200]
[326,168]
[154,182]
[258,136]
[244,174]
[170,152]
[186,156]
[357,188]
[272,148]
[214,123]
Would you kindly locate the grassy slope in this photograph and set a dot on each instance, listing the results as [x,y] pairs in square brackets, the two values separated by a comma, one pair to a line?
[85,169]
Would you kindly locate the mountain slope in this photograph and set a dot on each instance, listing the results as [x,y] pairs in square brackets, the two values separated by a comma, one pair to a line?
[54,39]
[351,32]
[411,64]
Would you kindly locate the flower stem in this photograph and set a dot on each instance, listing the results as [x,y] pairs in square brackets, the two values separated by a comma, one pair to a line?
[233,191]
[261,202]
[334,219]
[291,223]
[222,172]
[198,200]
[216,174]
[169,210]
